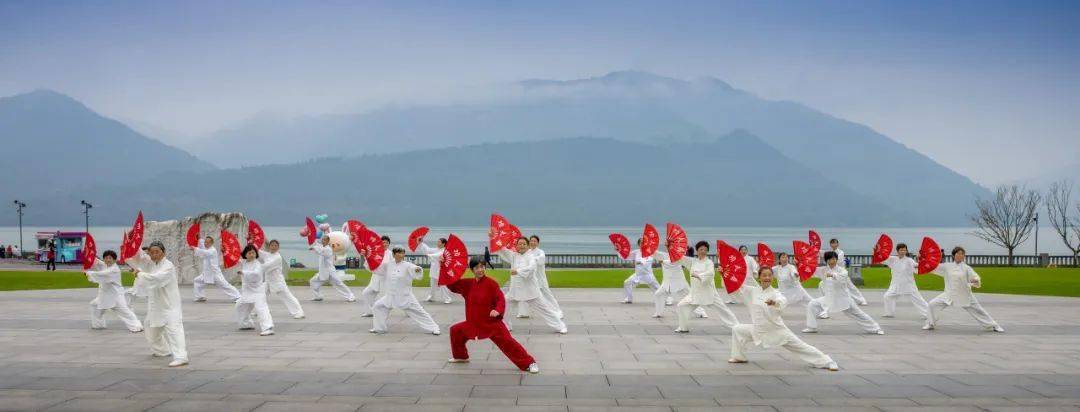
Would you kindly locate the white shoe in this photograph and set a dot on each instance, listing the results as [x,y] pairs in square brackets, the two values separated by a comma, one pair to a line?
[534,368]
[733,360]
[522,316]
[376,331]
[823,316]
[656,315]
[247,328]
[627,301]
[809,330]
[455,360]
[367,315]
[427,299]
[998,329]
[878,332]
[139,330]
[669,302]
[316,299]
[561,315]
[447,301]
[928,327]
[863,303]
[888,316]
[266,333]
[730,302]
[703,315]
[200,299]
[298,316]
[832,366]
[562,331]
[350,300]
[160,356]
[436,333]
[682,331]
[97,328]
[178,362]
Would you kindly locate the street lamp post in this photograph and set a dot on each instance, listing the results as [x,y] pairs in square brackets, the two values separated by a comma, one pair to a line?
[20,205]
[1037,233]
[86,211]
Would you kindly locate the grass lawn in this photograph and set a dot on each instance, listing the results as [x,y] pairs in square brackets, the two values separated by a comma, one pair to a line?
[1020,281]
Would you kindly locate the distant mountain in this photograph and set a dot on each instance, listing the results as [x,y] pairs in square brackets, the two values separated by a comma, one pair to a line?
[54,144]
[630,106]
[734,180]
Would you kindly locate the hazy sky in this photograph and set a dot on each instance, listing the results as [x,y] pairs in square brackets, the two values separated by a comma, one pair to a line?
[990,89]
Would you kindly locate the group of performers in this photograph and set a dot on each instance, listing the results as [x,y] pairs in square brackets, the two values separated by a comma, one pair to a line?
[261,272]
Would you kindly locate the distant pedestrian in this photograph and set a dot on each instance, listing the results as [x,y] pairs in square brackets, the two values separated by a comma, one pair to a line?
[3,252]
[15,251]
[50,263]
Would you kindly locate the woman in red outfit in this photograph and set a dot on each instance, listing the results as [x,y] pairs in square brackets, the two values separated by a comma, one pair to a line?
[484,309]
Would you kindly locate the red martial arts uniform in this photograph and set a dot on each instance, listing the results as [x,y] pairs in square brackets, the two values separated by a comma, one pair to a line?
[481,297]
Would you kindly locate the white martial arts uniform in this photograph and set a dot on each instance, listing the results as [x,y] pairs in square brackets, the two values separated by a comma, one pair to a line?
[643,274]
[856,294]
[542,282]
[436,292]
[837,298]
[702,293]
[211,273]
[110,296]
[397,282]
[274,274]
[164,318]
[767,329]
[673,286]
[253,297]
[370,294]
[902,283]
[959,279]
[790,285]
[524,288]
[328,273]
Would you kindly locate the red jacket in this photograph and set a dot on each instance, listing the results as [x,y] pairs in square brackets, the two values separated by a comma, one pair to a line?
[481,297]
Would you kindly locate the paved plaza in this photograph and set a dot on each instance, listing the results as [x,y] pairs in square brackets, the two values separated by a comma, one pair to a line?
[616,357]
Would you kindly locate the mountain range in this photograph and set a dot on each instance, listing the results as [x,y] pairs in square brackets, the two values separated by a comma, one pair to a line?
[615,149]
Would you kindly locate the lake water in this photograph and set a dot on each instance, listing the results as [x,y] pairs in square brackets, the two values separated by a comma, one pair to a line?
[594,240]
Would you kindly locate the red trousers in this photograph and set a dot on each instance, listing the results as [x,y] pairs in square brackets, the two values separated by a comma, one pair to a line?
[463,332]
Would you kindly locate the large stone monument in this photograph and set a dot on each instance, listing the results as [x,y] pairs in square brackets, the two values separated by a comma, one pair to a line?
[173,234]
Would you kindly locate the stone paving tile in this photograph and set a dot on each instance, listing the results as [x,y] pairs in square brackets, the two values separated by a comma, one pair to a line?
[895,391]
[446,391]
[614,392]
[111,405]
[26,403]
[306,406]
[153,385]
[337,389]
[244,387]
[185,405]
[547,392]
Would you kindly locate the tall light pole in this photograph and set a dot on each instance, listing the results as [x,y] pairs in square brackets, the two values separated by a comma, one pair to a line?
[1037,233]
[20,206]
[87,206]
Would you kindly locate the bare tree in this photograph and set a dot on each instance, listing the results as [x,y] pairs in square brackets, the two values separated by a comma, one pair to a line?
[1058,202]
[1007,219]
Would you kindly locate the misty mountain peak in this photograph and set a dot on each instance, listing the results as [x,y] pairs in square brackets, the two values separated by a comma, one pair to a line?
[43,99]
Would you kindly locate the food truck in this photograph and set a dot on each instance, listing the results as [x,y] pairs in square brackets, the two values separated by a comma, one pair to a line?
[69,246]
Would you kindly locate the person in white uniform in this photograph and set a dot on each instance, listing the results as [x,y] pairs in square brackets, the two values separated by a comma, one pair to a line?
[398,276]
[787,275]
[541,279]
[702,290]
[959,279]
[253,294]
[164,319]
[274,271]
[110,294]
[524,287]
[767,329]
[837,298]
[643,274]
[902,282]
[211,272]
[856,294]
[327,272]
[673,285]
[370,294]
[436,292]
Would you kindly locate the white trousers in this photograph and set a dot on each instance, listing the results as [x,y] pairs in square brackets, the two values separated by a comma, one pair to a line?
[976,310]
[916,300]
[727,317]
[335,281]
[368,297]
[262,311]
[742,338]
[280,289]
[168,339]
[797,295]
[124,313]
[412,308]
[545,294]
[855,293]
[200,283]
[662,297]
[816,308]
[439,293]
[542,308]
[633,281]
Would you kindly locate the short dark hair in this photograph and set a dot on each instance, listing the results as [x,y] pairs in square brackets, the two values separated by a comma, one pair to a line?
[958,249]
[741,247]
[273,241]
[476,261]
[248,248]
[157,244]
[639,240]
[442,240]
[385,238]
[901,246]
[830,255]
[534,237]
[833,240]
[522,238]
[397,249]
[782,254]
[108,253]
[701,243]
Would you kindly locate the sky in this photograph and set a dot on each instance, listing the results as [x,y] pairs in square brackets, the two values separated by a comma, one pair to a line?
[990,89]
